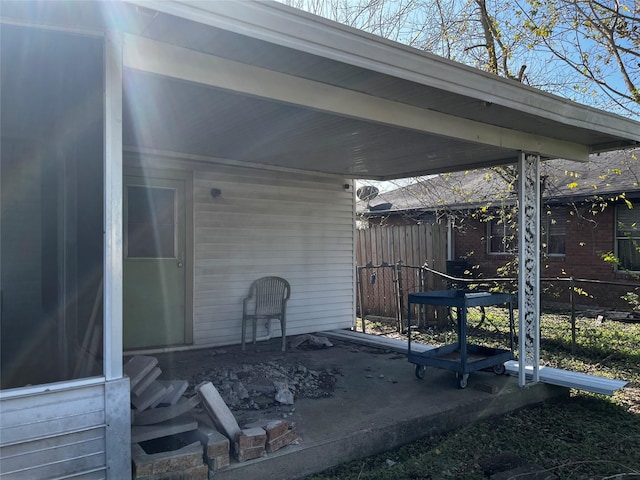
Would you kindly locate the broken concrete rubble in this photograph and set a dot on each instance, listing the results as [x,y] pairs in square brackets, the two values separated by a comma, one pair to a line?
[160,429]
[150,397]
[162,414]
[141,433]
[137,368]
[166,412]
[176,389]
[145,382]
[251,386]
[218,410]
[283,394]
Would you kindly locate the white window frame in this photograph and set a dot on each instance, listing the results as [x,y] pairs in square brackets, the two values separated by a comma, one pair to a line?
[545,222]
[635,227]
[505,227]
[560,215]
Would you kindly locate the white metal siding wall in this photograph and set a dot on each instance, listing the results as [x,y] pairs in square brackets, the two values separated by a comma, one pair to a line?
[53,435]
[296,226]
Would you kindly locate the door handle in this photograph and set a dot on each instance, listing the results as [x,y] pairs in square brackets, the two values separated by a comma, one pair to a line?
[179,264]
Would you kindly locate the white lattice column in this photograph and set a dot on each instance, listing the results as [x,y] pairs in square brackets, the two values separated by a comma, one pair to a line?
[529,265]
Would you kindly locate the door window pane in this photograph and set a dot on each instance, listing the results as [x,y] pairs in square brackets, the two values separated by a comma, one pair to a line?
[151,222]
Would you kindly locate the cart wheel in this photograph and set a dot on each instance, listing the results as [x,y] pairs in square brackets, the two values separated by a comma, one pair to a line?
[462,380]
[499,369]
[420,371]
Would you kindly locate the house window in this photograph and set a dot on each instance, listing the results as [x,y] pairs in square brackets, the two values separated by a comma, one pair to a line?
[503,238]
[553,221]
[628,238]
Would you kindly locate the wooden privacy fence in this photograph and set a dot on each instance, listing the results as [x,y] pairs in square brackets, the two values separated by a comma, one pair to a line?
[390,261]
[409,244]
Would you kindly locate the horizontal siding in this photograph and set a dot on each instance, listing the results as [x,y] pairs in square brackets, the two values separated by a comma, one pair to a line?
[294,225]
[53,434]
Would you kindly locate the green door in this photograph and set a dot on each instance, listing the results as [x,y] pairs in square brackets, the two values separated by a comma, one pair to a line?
[154,258]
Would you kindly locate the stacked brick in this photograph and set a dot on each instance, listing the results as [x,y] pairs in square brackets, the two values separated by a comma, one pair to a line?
[249,443]
[279,435]
[160,411]
[258,441]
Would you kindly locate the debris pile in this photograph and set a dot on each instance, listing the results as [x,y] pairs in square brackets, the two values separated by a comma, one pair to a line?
[258,386]
[164,436]
[175,425]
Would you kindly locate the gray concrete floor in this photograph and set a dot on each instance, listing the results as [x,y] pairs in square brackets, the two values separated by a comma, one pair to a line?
[377,404]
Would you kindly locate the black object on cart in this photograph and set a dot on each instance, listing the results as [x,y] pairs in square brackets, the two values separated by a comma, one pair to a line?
[461,358]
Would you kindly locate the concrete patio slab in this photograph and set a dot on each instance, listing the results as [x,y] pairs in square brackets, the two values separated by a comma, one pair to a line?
[377,404]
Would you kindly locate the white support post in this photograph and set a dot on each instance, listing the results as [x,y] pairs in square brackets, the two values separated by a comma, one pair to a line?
[529,265]
[113,207]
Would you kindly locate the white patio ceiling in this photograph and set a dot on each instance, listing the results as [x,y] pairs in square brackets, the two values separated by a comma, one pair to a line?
[261,83]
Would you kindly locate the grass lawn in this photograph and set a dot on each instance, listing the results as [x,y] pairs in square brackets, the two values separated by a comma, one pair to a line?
[585,436]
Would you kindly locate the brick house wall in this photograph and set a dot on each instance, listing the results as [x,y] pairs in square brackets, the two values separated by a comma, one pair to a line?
[587,237]
[585,242]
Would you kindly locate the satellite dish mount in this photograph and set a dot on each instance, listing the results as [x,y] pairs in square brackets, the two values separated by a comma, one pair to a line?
[366,193]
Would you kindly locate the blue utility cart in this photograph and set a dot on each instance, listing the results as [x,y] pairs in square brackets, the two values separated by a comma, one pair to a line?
[461,357]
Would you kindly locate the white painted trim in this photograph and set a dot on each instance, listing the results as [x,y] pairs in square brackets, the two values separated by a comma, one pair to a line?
[50,387]
[395,344]
[113,207]
[566,378]
[176,62]
[293,28]
[354,252]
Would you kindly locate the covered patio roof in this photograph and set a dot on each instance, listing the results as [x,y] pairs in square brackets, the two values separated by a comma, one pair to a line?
[320,96]
[261,83]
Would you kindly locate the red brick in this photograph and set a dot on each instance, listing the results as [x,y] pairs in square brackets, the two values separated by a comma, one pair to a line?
[165,465]
[251,437]
[283,440]
[218,462]
[250,444]
[275,429]
[249,453]
[201,472]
